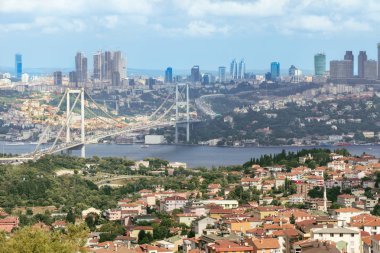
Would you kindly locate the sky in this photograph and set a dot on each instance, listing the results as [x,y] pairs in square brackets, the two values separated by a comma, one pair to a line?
[155,34]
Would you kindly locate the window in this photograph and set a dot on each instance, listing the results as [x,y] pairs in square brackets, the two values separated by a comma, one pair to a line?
[341,235]
[331,235]
[352,235]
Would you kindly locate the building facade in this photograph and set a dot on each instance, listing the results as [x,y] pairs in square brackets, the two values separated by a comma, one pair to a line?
[320,64]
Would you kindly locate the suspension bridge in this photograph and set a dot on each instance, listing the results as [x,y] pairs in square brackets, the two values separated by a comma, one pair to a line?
[174,111]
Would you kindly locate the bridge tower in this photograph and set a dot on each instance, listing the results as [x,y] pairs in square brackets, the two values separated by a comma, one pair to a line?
[69,109]
[182,115]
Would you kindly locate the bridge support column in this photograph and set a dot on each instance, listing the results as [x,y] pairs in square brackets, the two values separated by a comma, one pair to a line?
[82,129]
[68,116]
[187,115]
[176,114]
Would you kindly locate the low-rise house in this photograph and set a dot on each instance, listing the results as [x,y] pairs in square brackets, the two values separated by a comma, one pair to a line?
[346,200]
[347,239]
[343,215]
[186,218]
[7,224]
[171,203]
[266,245]
[226,246]
[201,224]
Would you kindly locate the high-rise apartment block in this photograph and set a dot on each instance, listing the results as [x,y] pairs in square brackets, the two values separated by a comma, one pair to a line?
[241,70]
[378,61]
[57,78]
[233,70]
[195,74]
[222,74]
[370,70]
[341,69]
[362,58]
[81,68]
[349,56]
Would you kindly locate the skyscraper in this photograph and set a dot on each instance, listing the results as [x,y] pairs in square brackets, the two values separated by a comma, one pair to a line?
[275,70]
[319,64]
[169,75]
[350,57]
[107,65]
[233,69]
[98,66]
[18,66]
[341,69]
[57,78]
[195,74]
[378,61]
[362,58]
[81,68]
[222,74]
[241,71]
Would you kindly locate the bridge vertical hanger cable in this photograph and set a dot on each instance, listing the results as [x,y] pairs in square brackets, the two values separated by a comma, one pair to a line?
[67,121]
[48,126]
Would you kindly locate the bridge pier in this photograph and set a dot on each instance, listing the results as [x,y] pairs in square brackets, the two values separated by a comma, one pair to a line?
[83,151]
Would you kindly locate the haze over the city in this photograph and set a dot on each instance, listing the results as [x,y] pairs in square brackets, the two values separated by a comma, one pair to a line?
[180,33]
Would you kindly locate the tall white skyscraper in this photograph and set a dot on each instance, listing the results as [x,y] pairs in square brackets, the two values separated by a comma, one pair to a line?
[233,69]
[241,72]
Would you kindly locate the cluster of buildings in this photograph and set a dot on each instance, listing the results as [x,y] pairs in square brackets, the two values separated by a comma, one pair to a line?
[275,222]
[220,224]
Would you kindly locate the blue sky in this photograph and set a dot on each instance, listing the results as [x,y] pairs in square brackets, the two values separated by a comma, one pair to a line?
[155,34]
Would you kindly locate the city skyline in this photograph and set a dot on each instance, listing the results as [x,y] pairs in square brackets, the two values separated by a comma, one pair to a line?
[154,33]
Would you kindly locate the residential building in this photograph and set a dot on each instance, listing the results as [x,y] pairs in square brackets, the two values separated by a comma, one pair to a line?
[266,245]
[348,239]
[57,76]
[233,70]
[241,70]
[349,56]
[195,74]
[171,203]
[346,200]
[362,58]
[222,74]
[378,61]
[370,70]
[341,69]
[81,67]
[201,224]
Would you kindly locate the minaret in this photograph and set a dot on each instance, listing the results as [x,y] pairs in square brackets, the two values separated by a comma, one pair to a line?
[324,197]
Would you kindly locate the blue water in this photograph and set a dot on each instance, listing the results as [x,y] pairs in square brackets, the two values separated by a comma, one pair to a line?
[194,156]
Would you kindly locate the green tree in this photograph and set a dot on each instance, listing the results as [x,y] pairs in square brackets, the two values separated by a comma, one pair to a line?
[70,217]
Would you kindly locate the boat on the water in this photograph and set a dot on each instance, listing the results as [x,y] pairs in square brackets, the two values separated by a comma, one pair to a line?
[144,146]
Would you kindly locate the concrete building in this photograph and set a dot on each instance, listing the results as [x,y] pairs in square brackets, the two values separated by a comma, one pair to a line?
[57,78]
[346,239]
[341,69]
[378,61]
[222,74]
[362,58]
[319,64]
[370,70]
[349,56]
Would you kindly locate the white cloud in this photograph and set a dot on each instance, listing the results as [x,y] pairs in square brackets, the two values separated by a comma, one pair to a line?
[48,24]
[76,7]
[201,28]
[193,17]
[259,8]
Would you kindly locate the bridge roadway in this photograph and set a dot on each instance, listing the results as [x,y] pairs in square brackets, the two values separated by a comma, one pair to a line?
[77,144]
